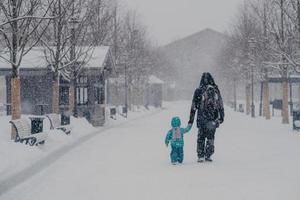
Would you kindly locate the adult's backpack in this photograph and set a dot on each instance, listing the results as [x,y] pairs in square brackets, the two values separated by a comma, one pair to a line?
[210,103]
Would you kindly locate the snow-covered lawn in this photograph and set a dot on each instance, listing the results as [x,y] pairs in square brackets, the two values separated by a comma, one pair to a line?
[255,159]
[16,156]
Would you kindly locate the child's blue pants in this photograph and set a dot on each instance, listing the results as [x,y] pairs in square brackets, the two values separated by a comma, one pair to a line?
[176,154]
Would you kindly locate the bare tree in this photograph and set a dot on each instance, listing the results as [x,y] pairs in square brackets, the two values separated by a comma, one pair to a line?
[20,19]
[274,28]
[70,40]
[134,44]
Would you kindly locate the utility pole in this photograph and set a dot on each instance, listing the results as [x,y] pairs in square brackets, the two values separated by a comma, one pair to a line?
[115,53]
[285,110]
[73,93]
[115,32]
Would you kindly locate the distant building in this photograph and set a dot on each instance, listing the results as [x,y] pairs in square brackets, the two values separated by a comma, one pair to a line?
[148,92]
[36,84]
[169,91]
[154,92]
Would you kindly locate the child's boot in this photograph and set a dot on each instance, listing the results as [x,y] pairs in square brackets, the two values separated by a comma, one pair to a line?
[201,159]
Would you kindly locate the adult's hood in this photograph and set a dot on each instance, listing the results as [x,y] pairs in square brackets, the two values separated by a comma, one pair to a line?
[207,79]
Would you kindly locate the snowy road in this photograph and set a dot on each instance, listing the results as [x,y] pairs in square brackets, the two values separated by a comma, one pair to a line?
[254,159]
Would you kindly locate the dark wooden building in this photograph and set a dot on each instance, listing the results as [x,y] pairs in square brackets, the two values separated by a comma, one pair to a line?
[36,85]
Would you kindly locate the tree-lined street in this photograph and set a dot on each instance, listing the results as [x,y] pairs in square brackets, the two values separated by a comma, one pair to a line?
[252,161]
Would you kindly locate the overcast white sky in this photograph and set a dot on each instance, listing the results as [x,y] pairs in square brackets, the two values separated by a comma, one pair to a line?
[168,20]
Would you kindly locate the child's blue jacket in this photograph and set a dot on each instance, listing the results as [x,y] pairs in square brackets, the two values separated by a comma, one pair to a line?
[177,142]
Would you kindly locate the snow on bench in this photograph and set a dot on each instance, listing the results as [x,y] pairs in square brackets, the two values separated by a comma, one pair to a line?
[56,123]
[23,130]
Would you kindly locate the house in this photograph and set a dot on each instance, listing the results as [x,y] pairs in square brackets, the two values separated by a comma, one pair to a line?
[36,84]
[149,93]
[154,92]
[169,91]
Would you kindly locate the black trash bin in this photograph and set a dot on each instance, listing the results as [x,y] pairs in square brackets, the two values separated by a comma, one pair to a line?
[65,115]
[296,120]
[113,113]
[66,118]
[36,124]
[124,111]
[241,108]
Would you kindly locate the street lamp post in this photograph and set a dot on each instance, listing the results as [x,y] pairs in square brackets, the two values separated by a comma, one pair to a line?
[235,63]
[252,92]
[128,58]
[251,43]
[126,88]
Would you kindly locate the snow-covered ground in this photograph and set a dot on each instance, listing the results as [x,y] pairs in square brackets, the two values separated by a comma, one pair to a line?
[17,158]
[255,159]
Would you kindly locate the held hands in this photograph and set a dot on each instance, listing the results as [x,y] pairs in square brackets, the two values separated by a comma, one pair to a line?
[217,124]
[221,120]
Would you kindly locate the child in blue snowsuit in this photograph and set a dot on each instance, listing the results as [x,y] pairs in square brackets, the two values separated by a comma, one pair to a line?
[175,136]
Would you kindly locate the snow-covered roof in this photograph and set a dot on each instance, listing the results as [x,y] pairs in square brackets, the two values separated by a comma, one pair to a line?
[99,56]
[120,79]
[36,58]
[154,80]
[294,75]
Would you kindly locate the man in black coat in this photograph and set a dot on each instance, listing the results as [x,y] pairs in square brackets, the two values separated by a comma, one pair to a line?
[209,115]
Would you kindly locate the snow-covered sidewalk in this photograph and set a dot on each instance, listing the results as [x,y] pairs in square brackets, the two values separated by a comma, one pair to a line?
[255,159]
[20,161]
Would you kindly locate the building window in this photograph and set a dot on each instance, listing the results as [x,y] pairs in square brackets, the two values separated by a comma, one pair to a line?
[82,95]
[82,90]
[99,95]
[63,95]
[82,80]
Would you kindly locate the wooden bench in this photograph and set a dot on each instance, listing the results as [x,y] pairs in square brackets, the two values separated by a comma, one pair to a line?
[55,123]
[23,133]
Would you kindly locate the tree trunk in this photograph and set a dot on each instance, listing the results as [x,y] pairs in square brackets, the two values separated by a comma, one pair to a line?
[15,80]
[248,108]
[55,97]
[285,104]
[266,99]
[15,102]
[299,95]
[234,95]
[72,98]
